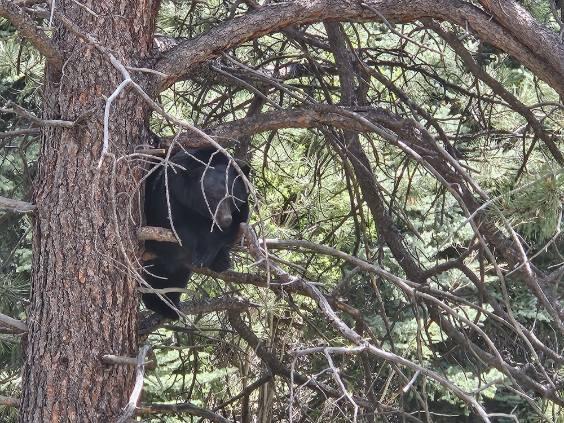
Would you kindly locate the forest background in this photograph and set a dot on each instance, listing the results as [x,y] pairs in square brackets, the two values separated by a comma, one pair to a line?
[403,260]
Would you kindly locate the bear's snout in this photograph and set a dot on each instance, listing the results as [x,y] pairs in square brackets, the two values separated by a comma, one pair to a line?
[224,219]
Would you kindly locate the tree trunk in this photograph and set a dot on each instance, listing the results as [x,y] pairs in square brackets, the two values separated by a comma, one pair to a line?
[84,298]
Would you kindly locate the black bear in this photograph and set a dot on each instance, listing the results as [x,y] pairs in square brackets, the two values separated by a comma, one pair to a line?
[208,201]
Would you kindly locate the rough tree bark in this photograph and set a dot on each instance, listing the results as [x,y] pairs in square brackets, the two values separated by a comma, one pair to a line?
[84,301]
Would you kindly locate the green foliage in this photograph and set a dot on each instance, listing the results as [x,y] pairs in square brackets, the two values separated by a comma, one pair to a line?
[306,190]
[535,207]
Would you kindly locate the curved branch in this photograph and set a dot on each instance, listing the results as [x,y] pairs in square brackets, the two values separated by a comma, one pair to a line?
[305,117]
[521,25]
[184,57]
[203,306]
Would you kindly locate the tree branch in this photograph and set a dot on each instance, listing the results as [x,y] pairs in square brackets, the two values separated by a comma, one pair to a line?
[306,117]
[187,55]
[24,24]
[20,132]
[203,306]
[17,325]
[500,90]
[20,111]
[16,206]
[187,407]
[9,401]
[521,25]
[125,361]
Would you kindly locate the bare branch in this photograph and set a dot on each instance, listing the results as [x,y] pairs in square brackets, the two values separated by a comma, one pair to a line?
[152,233]
[203,306]
[313,116]
[10,322]
[187,55]
[187,408]
[23,22]
[31,117]
[125,361]
[9,401]
[16,206]
[515,18]
[137,388]
[20,132]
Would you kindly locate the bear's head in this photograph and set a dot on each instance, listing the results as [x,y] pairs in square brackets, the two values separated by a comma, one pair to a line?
[211,187]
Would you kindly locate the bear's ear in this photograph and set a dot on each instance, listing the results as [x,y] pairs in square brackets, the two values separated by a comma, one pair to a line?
[244,167]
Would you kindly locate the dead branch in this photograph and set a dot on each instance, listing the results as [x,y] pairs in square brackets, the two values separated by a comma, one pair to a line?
[11,107]
[210,305]
[25,25]
[137,388]
[16,206]
[9,401]
[20,132]
[187,55]
[17,325]
[188,408]
[126,361]
[152,233]
[520,24]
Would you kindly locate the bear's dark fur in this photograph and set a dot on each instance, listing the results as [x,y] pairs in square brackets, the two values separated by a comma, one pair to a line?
[207,225]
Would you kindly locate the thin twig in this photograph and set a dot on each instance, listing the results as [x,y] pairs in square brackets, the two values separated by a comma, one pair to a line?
[138,387]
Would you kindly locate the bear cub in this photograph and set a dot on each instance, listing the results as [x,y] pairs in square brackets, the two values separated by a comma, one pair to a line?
[208,201]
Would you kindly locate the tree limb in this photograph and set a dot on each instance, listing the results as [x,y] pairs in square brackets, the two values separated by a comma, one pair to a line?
[521,25]
[16,206]
[9,401]
[20,111]
[187,55]
[203,306]
[24,24]
[187,407]
[20,132]
[11,323]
